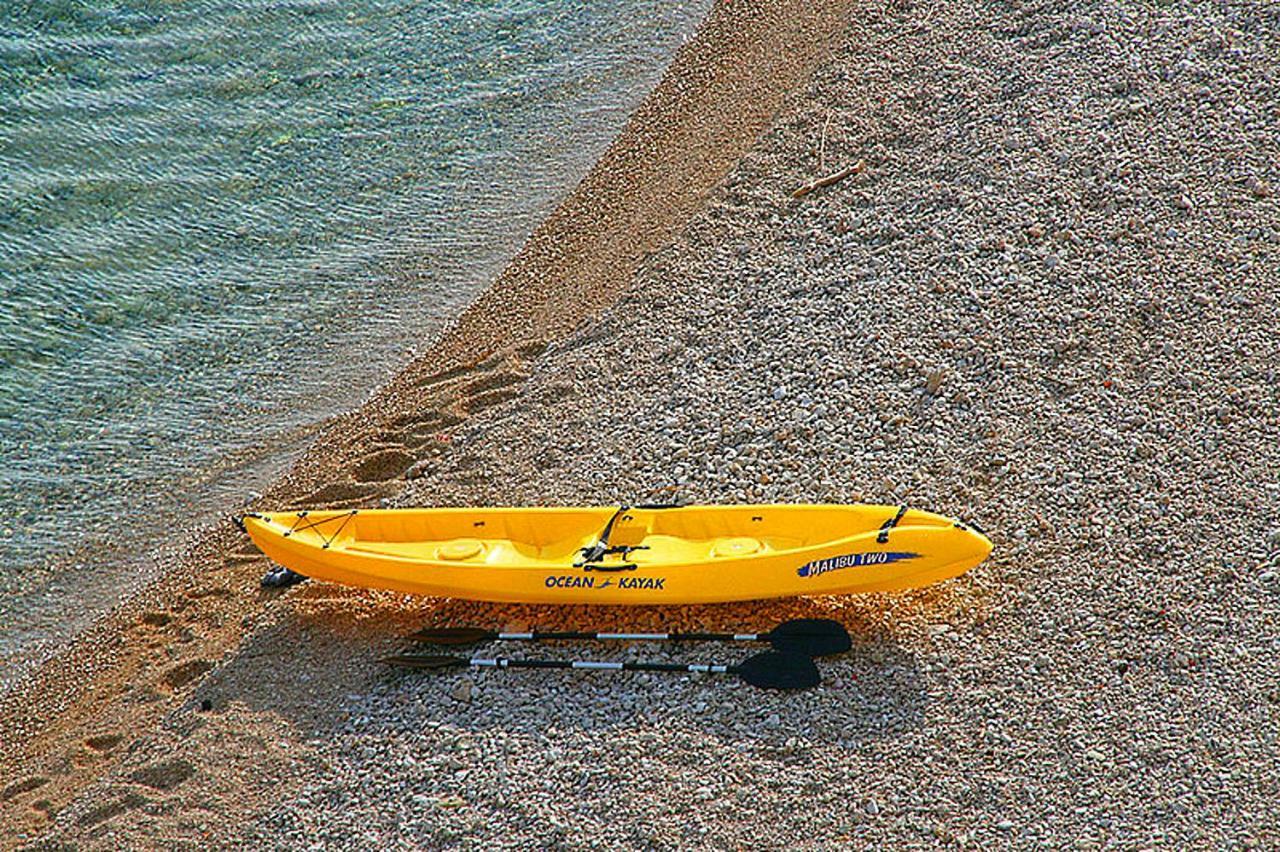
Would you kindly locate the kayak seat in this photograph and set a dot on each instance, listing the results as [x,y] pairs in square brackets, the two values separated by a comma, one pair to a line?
[459,549]
[736,546]
[659,549]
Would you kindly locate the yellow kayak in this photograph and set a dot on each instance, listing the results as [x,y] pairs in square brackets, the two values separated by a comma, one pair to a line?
[627,555]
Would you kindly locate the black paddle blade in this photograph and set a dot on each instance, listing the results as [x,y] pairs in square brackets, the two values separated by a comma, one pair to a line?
[453,635]
[813,637]
[422,661]
[779,670]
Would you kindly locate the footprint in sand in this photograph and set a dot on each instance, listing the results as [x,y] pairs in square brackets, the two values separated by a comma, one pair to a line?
[409,439]
[492,381]
[425,434]
[163,776]
[381,466]
[338,495]
[426,422]
[527,352]
[558,392]
[444,377]
[185,672]
[104,742]
[515,356]
[243,557]
[24,785]
[520,354]
[477,386]
[479,402]
[156,619]
[102,813]
[415,441]
[428,439]
[471,461]
[207,592]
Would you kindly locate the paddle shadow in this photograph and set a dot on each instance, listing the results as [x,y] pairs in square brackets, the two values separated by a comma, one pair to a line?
[317,667]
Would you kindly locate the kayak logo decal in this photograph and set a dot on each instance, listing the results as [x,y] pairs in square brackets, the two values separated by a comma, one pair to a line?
[642,583]
[569,582]
[572,581]
[853,560]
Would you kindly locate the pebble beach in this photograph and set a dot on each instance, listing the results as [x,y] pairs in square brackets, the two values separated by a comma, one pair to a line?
[1044,298]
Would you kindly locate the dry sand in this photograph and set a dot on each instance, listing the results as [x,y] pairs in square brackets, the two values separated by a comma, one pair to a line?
[1048,303]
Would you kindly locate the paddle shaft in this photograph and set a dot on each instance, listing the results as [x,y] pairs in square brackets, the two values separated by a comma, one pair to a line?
[770,670]
[501,663]
[813,637]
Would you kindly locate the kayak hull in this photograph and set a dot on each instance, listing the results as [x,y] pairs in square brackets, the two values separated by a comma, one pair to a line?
[692,554]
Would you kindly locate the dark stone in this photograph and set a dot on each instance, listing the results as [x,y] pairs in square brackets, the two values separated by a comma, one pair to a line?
[280,577]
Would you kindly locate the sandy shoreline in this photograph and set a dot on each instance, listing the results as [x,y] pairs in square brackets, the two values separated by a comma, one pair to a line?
[1049,303]
[75,719]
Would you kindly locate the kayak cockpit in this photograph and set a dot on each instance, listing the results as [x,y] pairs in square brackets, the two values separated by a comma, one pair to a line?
[591,538]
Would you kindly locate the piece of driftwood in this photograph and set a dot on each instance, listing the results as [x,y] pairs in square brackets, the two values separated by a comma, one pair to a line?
[822,143]
[835,177]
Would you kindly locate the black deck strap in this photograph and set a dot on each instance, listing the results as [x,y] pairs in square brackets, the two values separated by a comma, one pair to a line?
[609,567]
[314,525]
[601,547]
[624,549]
[296,521]
[883,538]
[331,539]
[239,519]
[310,525]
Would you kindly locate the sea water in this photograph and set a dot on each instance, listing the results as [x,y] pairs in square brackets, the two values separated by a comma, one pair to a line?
[222,221]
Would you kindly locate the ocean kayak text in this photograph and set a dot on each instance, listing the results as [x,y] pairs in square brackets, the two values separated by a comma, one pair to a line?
[568,581]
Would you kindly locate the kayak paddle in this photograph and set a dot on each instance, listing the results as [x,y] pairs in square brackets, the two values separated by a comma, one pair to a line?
[770,670]
[813,637]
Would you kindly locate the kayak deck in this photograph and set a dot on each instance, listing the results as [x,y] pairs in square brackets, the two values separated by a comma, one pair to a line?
[623,555]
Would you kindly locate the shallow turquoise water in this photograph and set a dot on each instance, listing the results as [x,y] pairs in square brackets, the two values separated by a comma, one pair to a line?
[224,220]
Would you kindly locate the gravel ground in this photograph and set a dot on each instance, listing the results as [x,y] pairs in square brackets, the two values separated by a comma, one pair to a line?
[1048,303]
